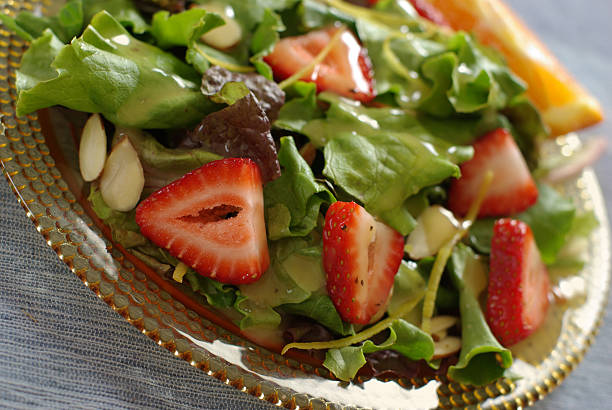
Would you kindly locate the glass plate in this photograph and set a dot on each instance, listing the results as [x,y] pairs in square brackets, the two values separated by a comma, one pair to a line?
[37,157]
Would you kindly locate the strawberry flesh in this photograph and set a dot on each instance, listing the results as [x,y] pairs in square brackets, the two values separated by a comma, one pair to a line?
[512,190]
[212,219]
[346,70]
[519,285]
[429,12]
[425,9]
[361,257]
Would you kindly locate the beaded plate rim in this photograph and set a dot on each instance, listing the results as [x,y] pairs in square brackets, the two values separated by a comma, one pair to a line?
[41,190]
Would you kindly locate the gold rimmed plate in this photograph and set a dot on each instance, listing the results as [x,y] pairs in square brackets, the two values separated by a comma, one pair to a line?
[39,161]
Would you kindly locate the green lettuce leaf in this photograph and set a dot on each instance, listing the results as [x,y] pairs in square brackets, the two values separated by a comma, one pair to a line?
[404,338]
[178,29]
[479,81]
[256,40]
[398,59]
[256,315]
[276,287]
[321,309]
[481,234]
[154,262]
[126,232]
[65,25]
[72,17]
[230,93]
[444,139]
[448,76]
[199,54]
[398,8]
[344,362]
[293,200]
[435,72]
[551,219]
[447,297]
[12,24]
[382,171]
[408,285]
[478,363]
[141,86]
[313,14]
[573,255]
[528,129]
[295,272]
[251,13]
[162,165]
[264,39]
[123,11]
[376,153]
[287,281]
[122,224]
[583,224]
[301,107]
[36,61]
[217,294]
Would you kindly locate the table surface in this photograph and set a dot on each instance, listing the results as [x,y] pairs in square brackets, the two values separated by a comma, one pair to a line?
[50,322]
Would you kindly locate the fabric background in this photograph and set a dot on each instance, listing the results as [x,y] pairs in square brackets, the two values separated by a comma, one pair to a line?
[61,346]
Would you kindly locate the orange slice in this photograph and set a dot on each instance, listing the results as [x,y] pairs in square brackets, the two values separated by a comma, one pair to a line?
[564,104]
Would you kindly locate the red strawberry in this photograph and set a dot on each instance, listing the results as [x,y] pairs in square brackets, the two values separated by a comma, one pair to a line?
[212,219]
[430,12]
[347,69]
[518,283]
[513,189]
[361,257]
[425,10]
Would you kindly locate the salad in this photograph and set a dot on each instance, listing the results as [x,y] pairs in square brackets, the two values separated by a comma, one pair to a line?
[357,181]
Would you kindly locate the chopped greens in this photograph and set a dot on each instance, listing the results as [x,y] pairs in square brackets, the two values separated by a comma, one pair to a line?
[550,219]
[404,337]
[482,359]
[293,200]
[141,87]
[184,103]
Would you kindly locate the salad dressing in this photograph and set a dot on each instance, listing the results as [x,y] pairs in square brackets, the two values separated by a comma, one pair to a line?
[536,348]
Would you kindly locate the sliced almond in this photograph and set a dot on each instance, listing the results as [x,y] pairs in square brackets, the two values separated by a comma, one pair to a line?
[225,36]
[92,148]
[435,226]
[439,335]
[440,323]
[446,347]
[122,181]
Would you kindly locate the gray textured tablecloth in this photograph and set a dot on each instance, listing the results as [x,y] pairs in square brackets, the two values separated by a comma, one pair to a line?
[61,346]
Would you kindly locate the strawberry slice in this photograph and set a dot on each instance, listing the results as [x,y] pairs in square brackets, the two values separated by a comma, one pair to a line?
[346,70]
[361,257]
[425,10]
[212,219]
[429,12]
[518,283]
[513,189]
